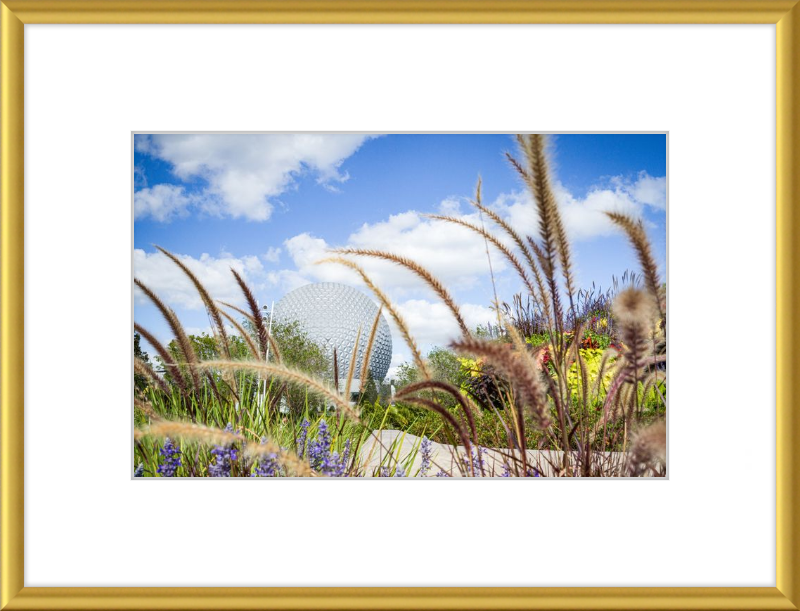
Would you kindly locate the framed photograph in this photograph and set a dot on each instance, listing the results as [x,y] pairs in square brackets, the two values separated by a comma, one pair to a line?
[258,258]
[327,356]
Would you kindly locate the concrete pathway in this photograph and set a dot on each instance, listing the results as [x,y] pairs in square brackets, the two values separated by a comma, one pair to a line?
[387,449]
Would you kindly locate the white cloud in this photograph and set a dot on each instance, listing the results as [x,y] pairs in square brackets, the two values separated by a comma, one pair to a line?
[139,178]
[584,218]
[170,283]
[431,323]
[162,202]
[272,255]
[244,171]
[650,190]
[453,254]
[450,207]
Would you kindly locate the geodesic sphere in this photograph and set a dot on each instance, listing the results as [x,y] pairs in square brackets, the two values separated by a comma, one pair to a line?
[331,315]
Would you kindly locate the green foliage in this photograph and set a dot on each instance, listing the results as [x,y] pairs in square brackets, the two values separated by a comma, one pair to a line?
[443,364]
[407,373]
[537,339]
[592,339]
[369,390]
[446,367]
[297,351]
[140,382]
[399,416]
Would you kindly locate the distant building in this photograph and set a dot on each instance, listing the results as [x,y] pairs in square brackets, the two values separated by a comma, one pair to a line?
[331,315]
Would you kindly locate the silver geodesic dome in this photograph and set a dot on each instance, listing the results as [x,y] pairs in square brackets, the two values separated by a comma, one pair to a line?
[331,314]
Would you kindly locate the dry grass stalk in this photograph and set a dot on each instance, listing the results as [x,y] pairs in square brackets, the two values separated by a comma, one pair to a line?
[169,362]
[550,223]
[144,369]
[635,312]
[638,239]
[573,350]
[209,435]
[516,368]
[652,382]
[255,311]
[510,256]
[558,313]
[273,345]
[537,179]
[447,416]
[146,408]
[288,459]
[469,408]
[608,355]
[287,375]
[533,365]
[352,366]
[540,297]
[184,343]
[370,343]
[648,450]
[398,319]
[244,313]
[335,370]
[187,430]
[517,239]
[496,302]
[420,271]
[219,328]
[213,311]
[251,345]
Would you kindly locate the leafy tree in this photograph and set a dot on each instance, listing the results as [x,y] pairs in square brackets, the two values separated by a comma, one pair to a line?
[443,365]
[298,351]
[407,373]
[369,390]
[446,367]
[140,382]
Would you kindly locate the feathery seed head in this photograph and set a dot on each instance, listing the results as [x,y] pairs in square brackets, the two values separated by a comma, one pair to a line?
[648,449]
[634,307]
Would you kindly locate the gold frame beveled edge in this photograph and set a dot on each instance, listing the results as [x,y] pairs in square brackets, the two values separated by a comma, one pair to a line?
[15,13]
[12,79]
[400,11]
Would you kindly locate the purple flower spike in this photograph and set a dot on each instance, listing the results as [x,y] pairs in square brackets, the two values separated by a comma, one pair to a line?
[301,439]
[223,457]
[425,449]
[267,466]
[172,459]
[319,450]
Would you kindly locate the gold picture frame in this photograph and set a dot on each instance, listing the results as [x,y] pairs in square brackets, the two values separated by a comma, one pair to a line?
[14,14]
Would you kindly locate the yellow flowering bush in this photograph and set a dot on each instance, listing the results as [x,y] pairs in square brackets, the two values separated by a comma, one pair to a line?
[592,357]
[472,368]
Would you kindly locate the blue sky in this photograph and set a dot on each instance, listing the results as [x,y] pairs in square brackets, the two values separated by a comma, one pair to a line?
[271,205]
